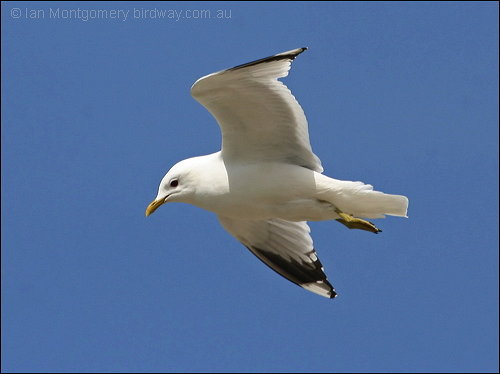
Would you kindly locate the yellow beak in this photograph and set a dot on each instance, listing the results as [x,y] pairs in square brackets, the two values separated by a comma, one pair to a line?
[153,206]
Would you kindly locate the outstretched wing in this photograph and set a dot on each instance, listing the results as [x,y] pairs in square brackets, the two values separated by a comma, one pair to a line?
[284,246]
[259,118]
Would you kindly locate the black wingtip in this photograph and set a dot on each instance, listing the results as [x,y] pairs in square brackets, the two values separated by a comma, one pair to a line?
[288,55]
[299,51]
[333,294]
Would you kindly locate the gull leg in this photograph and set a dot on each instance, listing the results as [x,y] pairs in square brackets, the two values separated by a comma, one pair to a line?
[356,223]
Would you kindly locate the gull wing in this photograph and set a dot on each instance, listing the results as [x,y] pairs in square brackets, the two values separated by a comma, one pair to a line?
[284,246]
[259,118]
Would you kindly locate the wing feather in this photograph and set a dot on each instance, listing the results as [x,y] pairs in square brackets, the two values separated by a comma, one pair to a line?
[260,119]
[284,246]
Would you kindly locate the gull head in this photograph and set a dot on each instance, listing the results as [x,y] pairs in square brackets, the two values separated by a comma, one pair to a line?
[176,186]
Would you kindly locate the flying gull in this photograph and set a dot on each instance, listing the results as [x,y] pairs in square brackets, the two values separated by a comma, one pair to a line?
[266,183]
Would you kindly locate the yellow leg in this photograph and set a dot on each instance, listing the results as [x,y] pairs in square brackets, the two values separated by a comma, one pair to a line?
[356,223]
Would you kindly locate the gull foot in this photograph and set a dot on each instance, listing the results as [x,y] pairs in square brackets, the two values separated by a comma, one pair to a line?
[356,223]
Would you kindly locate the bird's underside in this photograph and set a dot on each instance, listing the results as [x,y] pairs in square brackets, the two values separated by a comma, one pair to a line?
[261,123]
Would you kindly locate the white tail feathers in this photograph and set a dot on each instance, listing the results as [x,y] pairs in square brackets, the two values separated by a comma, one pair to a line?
[360,200]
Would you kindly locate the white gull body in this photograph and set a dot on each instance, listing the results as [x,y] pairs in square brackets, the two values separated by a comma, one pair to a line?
[266,182]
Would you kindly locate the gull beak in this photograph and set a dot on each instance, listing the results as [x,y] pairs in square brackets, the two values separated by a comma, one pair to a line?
[153,206]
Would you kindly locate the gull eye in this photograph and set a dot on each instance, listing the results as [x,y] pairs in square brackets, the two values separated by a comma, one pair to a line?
[174,183]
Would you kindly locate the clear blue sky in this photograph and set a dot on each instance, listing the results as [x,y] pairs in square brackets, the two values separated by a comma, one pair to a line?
[399,95]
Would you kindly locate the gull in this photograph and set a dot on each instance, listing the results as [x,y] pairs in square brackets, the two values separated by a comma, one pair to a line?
[266,183]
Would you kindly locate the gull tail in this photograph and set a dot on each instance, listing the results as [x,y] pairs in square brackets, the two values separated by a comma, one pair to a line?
[360,200]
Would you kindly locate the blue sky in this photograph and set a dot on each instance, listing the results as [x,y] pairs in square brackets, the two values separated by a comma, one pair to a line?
[399,95]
